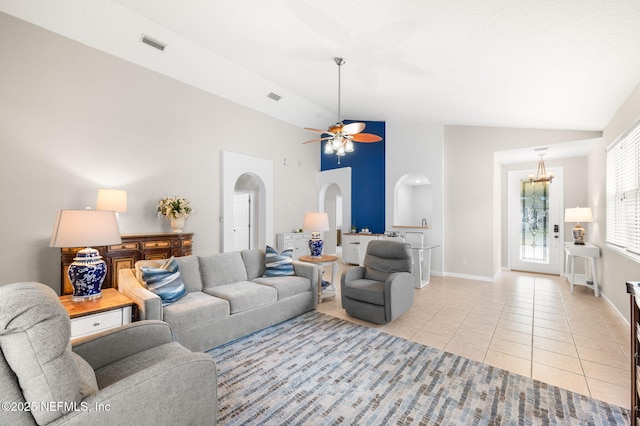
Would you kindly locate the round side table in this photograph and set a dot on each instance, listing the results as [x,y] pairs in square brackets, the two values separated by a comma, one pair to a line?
[324,260]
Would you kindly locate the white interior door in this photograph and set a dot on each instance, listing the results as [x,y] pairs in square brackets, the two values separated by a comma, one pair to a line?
[536,225]
[242,221]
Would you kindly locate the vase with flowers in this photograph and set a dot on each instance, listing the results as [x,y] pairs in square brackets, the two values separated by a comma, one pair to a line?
[176,209]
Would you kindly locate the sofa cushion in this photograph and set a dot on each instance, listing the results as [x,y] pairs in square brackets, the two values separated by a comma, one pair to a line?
[221,269]
[286,286]
[244,295]
[253,262]
[165,281]
[195,308]
[365,290]
[278,264]
[190,272]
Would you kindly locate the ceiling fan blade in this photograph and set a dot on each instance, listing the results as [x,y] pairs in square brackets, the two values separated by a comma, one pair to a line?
[353,128]
[317,130]
[317,140]
[365,137]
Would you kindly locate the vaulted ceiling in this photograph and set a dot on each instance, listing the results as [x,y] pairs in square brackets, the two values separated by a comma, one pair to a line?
[542,64]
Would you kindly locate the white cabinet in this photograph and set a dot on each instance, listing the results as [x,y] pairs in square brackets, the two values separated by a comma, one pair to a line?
[298,241]
[364,242]
[350,249]
[354,247]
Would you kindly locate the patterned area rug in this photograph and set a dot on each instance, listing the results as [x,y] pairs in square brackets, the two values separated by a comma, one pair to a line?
[316,369]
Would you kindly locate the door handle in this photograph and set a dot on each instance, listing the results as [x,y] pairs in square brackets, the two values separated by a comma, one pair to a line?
[556,229]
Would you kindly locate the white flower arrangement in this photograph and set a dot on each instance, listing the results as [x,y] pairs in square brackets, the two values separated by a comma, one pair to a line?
[174,208]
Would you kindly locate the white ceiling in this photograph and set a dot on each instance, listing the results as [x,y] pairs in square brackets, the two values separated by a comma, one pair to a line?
[559,64]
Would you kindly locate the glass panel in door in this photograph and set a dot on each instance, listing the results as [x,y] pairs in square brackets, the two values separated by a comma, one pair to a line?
[534,223]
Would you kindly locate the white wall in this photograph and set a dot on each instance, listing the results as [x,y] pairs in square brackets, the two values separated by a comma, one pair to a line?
[417,148]
[615,268]
[74,119]
[472,202]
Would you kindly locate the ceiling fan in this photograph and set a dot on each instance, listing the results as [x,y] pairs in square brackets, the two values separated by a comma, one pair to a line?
[342,136]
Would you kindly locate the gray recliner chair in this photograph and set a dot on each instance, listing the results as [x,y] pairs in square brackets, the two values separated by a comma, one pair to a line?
[135,374]
[382,289]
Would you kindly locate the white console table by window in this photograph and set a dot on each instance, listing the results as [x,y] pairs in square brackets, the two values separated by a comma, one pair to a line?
[590,277]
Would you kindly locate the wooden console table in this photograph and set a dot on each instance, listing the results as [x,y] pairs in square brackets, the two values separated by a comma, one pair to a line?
[134,247]
[633,288]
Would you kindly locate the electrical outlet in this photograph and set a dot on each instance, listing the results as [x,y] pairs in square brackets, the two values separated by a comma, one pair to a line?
[464,260]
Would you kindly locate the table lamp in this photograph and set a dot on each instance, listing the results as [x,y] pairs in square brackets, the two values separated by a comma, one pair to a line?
[315,222]
[578,215]
[112,199]
[85,228]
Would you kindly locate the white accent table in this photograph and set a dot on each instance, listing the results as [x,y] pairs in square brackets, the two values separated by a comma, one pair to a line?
[322,261]
[421,265]
[590,253]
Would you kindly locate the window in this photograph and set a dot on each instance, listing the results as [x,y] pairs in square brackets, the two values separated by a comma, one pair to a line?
[623,191]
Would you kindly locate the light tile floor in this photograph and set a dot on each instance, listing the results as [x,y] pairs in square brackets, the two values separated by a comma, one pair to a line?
[529,324]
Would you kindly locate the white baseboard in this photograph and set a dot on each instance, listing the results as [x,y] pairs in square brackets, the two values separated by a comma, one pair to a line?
[468,277]
[604,296]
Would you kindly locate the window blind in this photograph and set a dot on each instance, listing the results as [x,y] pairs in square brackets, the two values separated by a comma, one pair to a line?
[623,191]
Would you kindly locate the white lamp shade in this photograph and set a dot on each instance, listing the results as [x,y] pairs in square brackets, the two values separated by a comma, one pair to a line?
[315,222]
[578,215]
[112,199]
[85,228]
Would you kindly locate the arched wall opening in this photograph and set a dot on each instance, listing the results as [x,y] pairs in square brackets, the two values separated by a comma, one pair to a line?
[412,201]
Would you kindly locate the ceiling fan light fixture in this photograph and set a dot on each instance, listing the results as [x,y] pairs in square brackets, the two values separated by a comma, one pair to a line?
[328,148]
[348,147]
[340,137]
[336,142]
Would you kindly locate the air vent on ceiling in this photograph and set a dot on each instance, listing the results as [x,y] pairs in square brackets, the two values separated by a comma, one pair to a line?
[274,96]
[153,43]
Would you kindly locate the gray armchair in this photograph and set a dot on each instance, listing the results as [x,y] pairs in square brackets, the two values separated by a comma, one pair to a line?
[135,374]
[382,289]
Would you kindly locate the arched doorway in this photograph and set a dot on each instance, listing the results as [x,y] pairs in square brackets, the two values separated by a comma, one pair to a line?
[333,206]
[334,189]
[253,175]
[246,210]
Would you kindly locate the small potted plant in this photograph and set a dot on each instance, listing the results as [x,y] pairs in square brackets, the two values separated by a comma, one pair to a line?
[176,209]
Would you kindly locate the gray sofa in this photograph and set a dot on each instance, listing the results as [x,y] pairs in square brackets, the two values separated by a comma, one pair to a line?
[228,297]
[134,374]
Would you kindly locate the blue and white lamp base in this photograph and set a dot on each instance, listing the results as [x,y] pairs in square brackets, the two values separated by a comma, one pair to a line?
[316,244]
[578,235]
[86,274]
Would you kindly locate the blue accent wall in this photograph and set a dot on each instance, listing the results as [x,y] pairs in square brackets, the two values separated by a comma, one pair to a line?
[367,163]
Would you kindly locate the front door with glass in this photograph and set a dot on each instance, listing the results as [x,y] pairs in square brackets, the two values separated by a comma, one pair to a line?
[535,223]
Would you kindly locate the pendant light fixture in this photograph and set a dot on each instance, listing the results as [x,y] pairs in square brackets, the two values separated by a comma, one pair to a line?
[541,175]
